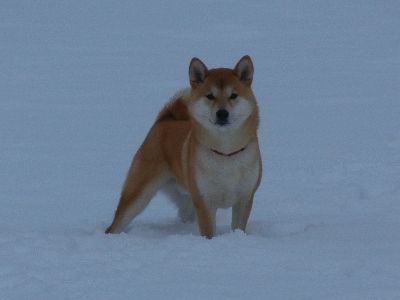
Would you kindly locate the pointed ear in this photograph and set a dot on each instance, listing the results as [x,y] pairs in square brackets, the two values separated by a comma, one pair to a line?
[244,70]
[197,72]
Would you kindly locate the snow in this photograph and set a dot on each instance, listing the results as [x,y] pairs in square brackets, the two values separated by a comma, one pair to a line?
[82,82]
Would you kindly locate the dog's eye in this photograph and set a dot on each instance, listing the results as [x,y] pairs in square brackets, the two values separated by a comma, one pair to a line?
[233,96]
[210,97]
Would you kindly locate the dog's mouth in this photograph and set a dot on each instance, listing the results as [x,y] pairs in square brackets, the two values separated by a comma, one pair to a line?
[219,123]
[222,122]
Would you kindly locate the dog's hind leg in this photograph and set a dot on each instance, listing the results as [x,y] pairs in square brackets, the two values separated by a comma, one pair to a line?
[185,209]
[144,180]
[182,201]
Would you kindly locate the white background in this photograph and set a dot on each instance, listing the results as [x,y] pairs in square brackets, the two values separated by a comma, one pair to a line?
[82,82]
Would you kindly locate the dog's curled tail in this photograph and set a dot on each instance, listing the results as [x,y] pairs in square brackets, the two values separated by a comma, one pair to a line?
[176,109]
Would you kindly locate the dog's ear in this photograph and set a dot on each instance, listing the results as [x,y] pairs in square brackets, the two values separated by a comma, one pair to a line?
[244,70]
[197,72]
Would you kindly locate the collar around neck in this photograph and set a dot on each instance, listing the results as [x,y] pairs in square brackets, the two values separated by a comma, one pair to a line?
[228,154]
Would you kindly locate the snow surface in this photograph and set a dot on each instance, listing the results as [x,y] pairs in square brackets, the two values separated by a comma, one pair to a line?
[81,83]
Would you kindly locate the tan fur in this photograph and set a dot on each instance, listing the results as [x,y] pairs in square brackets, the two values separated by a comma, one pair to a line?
[178,150]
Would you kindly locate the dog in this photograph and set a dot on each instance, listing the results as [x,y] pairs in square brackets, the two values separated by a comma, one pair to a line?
[202,151]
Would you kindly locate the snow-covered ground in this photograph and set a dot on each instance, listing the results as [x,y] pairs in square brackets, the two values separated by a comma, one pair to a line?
[81,83]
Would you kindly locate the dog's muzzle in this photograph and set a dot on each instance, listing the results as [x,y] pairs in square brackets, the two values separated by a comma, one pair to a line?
[222,117]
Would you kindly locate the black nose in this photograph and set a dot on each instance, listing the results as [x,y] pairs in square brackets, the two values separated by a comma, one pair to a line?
[222,115]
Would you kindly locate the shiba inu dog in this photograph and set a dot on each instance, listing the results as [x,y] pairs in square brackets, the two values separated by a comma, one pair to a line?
[202,151]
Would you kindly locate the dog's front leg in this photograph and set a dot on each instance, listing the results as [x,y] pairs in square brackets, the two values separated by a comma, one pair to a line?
[241,212]
[205,217]
[206,220]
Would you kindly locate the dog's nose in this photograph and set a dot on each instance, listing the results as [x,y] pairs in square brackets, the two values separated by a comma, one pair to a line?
[222,115]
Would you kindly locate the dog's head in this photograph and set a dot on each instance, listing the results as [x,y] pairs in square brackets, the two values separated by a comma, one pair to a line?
[222,99]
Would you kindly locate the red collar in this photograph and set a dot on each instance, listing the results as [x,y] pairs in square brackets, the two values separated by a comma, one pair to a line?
[228,154]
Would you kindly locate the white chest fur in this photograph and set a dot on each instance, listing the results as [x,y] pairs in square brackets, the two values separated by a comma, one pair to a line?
[223,181]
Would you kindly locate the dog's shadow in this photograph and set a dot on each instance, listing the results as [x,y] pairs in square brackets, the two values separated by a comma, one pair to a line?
[170,227]
[161,229]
